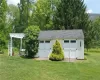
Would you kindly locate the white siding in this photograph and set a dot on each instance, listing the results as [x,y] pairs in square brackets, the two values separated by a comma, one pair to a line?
[71,50]
[80,50]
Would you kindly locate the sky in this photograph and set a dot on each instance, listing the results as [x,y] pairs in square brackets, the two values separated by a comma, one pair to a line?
[93,6]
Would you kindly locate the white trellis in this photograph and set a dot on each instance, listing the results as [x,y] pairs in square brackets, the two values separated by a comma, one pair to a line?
[15,35]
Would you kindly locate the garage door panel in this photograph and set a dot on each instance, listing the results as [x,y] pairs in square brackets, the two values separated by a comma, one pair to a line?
[41,46]
[72,53]
[73,45]
[43,53]
[66,53]
[47,45]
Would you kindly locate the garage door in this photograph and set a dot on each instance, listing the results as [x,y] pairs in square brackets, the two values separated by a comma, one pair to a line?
[43,53]
[44,49]
[72,54]
[69,53]
[69,47]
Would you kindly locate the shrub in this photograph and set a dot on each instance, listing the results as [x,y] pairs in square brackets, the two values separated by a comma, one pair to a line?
[57,52]
[31,41]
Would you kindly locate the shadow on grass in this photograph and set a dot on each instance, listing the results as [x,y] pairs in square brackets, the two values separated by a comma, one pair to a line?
[87,54]
[1,52]
[25,57]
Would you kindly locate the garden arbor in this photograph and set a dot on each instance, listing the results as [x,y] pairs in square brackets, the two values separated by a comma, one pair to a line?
[15,35]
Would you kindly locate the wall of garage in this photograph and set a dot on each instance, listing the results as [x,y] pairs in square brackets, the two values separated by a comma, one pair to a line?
[73,48]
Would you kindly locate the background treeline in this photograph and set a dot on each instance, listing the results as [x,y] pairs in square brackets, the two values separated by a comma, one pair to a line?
[48,15]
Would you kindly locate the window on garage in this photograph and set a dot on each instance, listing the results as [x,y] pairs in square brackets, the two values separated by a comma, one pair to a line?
[41,41]
[80,43]
[47,45]
[73,41]
[66,41]
[73,44]
[41,45]
[66,44]
[47,41]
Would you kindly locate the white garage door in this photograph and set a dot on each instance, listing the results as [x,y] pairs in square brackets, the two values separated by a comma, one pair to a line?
[69,53]
[44,49]
[69,47]
[72,54]
[43,53]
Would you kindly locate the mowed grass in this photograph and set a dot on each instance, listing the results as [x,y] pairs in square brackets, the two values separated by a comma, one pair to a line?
[17,68]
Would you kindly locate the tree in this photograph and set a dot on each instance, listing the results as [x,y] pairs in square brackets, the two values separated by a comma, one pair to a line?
[25,10]
[31,41]
[43,13]
[71,14]
[57,52]
[3,9]
[13,17]
[96,28]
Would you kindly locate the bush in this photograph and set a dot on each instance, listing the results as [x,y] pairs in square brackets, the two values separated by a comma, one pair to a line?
[57,52]
[31,41]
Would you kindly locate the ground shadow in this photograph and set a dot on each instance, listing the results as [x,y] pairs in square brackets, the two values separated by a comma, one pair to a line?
[87,54]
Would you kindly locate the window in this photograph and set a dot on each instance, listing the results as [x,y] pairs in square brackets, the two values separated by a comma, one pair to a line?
[73,41]
[41,41]
[80,43]
[66,41]
[47,41]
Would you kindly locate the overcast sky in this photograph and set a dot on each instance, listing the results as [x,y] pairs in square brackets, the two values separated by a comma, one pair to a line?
[93,6]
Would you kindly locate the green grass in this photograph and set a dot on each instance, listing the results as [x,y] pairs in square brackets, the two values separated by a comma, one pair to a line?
[17,68]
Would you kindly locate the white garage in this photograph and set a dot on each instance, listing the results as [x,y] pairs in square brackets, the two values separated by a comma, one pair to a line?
[72,42]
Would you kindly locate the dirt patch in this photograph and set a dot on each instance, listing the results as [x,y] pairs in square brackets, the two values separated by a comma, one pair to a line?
[69,60]
[65,60]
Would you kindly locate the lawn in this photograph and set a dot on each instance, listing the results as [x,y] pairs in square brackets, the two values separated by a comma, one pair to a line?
[17,68]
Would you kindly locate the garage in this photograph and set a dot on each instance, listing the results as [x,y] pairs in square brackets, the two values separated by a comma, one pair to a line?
[70,47]
[72,42]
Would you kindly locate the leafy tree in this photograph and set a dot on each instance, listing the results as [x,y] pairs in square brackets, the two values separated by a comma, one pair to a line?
[3,9]
[96,28]
[25,10]
[31,41]
[13,17]
[57,52]
[43,13]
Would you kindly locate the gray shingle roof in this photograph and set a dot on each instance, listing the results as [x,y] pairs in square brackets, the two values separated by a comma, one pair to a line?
[93,16]
[61,34]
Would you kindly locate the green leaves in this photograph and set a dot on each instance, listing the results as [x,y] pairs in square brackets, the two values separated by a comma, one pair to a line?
[31,41]
[57,52]
[70,14]
[3,31]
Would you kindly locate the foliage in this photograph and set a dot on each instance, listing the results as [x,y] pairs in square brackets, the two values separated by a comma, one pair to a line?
[24,9]
[13,17]
[71,17]
[3,28]
[57,52]
[31,41]
[96,29]
[74,17]
[43,13]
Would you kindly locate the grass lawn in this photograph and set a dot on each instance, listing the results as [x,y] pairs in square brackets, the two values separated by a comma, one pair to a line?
[17,68]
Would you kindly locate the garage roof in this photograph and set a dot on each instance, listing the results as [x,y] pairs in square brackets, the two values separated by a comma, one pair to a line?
[61,34]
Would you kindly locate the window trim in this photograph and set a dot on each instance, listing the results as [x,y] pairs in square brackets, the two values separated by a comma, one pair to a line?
[66,41]
[72,41]
[47,41]
[41,42]
[80,44]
